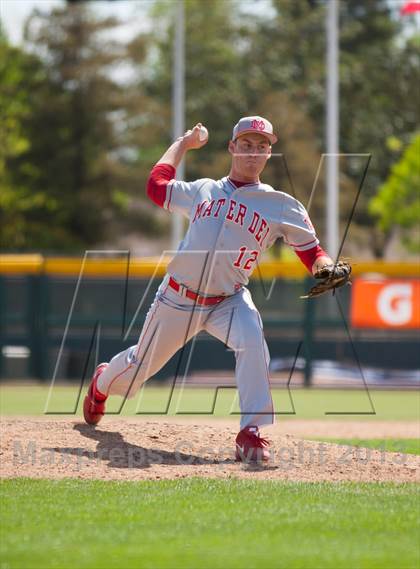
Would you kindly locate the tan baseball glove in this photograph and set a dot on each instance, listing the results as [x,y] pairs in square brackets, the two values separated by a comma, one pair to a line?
[331,277]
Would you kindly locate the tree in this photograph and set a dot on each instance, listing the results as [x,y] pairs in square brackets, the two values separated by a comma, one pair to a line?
[73,138]
[397,203]
[85,143]
[72,183]
[379,77]
[214,90]
[222,84]
[20,76]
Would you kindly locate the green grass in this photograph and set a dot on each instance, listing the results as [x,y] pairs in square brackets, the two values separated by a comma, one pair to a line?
[405,446]
[309,404]
[208,524]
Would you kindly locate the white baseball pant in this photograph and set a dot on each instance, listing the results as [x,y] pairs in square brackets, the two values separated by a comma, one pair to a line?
[172,321]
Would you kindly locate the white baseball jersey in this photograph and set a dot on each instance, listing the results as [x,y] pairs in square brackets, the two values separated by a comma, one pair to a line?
[229,230]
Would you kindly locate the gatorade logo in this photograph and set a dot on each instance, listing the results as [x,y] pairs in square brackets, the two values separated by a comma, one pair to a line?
[394,304]
[385,303]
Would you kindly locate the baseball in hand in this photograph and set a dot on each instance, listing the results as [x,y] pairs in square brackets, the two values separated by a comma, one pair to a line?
[203,134]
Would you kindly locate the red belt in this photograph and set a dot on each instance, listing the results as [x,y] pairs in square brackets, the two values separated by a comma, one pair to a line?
[203,300]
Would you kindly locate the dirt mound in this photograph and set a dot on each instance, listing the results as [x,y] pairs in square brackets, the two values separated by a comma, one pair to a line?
[136,450]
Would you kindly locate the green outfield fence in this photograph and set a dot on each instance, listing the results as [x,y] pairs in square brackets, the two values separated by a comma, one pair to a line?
[37,293]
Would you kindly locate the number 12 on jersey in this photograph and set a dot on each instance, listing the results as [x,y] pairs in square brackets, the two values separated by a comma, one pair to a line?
[245,263]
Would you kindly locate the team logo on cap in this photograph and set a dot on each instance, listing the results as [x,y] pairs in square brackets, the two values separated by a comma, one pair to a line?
[258,125]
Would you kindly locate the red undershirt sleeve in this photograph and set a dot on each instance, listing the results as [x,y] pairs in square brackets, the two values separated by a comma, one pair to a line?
[157,183]
[309,257]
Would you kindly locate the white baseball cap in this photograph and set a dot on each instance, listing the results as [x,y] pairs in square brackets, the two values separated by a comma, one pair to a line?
[254,124]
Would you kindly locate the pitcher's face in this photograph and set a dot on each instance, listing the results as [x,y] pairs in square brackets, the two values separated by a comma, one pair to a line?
[250,153]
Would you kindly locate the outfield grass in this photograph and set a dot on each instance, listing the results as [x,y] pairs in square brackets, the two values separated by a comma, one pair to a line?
[405,446]
[208,524]
[308,403]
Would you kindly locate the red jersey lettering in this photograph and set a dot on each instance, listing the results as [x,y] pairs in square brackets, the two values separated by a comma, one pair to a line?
[241,214]
[229,214]
[199,210]
[258,234]
[254,222]
[220,202]
[207,211]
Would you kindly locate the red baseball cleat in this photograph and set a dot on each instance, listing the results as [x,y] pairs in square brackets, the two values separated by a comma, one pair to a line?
[94,403]
[250,446]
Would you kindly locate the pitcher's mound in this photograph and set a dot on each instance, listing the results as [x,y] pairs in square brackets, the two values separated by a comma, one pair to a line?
[132,450]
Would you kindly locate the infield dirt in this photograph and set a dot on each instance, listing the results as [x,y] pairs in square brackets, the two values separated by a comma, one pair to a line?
[124,449]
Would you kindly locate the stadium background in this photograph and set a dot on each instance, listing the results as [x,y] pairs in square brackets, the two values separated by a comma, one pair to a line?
[42,298]
[88,103]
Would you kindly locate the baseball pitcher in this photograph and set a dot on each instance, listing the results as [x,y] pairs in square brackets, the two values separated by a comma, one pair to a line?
[232,222]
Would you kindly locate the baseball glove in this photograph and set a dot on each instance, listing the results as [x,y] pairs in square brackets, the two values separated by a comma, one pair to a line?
[331,277]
